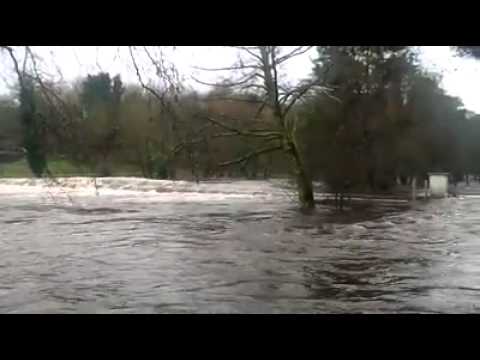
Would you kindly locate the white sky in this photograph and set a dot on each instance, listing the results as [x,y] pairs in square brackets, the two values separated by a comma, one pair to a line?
[461,77]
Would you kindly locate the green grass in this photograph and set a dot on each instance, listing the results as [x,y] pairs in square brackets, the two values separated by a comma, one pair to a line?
[15,169]
[61,168]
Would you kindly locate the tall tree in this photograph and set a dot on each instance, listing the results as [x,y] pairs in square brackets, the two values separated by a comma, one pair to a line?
[358,122]
[260,68]
[391,119]
[165,88]
[101,98]
[33,141]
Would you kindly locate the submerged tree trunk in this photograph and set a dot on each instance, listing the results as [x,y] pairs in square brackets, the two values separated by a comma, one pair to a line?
[371,179]
[281,100]
[304,182]
[266,173]
[414,188]
[267,167]
[171,170]
[104,169]
[33,142]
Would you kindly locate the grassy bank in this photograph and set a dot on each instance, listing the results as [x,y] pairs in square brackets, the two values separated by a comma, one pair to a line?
[60,168]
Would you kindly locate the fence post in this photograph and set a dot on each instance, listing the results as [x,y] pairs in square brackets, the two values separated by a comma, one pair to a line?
[414,188]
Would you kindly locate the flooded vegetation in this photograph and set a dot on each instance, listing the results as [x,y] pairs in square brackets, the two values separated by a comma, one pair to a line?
[239,179]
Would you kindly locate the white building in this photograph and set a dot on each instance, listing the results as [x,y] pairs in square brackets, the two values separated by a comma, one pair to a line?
[438,182]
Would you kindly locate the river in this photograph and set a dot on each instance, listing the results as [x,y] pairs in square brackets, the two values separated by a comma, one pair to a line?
[132,245]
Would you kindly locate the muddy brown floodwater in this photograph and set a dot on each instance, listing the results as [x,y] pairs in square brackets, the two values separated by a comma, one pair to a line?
[142,246]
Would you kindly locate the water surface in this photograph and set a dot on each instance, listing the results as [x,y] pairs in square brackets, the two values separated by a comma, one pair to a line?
[140,246]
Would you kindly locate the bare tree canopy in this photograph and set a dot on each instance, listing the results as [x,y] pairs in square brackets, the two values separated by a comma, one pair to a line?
[259,71]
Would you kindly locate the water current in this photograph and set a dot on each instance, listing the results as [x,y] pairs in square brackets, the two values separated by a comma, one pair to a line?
[128,245]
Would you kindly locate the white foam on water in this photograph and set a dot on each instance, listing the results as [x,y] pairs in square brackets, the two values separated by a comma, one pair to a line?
[139,188]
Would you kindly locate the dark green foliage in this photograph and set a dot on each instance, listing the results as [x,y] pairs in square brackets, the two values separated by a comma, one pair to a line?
[387,119]
[96,90]
[100,99]
[356,129]
[10,124]
[33,134]
[160,169]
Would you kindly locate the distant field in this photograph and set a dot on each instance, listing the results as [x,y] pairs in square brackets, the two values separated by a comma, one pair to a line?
[15,169]
[64,168]
[61,168]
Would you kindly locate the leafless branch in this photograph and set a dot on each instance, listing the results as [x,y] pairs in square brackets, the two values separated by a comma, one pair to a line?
[227,85]
[295,98]
[278,105]
[25,58]
[179,147]
[249,133]
[229,68]
[252,155]
[15,64]
[46,90]
[296,52]
[161,69]
[239,99]
[297,93]
[249,50]
[151,90]
[260,109]
[327,93]
[96,60]
[254,86]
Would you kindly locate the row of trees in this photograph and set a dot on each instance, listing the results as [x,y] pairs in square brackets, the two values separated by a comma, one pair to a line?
[368,117]
[110,124]
[389,120]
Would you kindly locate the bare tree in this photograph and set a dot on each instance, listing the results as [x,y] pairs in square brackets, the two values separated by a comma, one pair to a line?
[165,91]
[259,70]
[32,136]
[28,70]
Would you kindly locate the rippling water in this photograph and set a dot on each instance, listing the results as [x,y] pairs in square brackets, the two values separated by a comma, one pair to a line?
[140,246]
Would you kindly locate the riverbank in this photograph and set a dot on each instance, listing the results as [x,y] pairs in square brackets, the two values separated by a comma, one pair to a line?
[63,169]
[60,168]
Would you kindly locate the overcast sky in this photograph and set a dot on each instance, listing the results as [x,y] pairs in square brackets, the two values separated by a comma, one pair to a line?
[461,77]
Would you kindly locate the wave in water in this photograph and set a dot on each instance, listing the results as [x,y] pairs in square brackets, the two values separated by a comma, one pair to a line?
[130,186]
